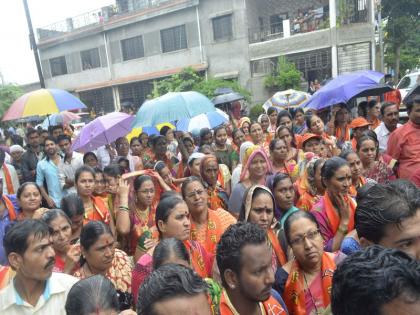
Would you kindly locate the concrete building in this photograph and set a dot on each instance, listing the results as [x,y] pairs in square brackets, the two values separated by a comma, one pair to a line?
[114,53]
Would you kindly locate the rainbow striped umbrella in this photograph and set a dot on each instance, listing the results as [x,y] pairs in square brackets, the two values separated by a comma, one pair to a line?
[42,102]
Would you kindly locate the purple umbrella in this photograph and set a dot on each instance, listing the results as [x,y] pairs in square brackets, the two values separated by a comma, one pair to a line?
[343,88]
[103,130]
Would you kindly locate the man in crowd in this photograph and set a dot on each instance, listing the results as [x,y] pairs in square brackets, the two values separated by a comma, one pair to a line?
[31,157]
[47,170]
[171,290]
[55,131]
[404,143]
[389,215]
[376,281]
[390,117]
[123,150]
[242,251]
[35,288]
[8,175]
[70,163]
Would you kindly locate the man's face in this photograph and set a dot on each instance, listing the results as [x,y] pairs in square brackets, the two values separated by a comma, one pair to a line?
[57,132]
[185,305]
[38,260]
[257,275]
[33,139]
[65,146]
[391,117]
[414,115]
[50,147]
[405,237]
[122,147]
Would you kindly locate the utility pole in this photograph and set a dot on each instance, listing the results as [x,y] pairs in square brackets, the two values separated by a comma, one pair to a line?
[381,42]
[34,46]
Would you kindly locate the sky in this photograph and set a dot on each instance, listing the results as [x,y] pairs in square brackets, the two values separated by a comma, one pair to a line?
[17,63]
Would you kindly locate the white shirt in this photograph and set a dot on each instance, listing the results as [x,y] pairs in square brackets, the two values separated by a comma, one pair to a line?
[51,302]
[14,177]
[68,170]
[383,134]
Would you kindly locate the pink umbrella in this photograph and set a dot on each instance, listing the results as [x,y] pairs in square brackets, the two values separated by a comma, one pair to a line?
[60,118]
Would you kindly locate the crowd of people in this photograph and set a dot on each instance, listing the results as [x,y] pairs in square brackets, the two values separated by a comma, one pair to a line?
[297,212]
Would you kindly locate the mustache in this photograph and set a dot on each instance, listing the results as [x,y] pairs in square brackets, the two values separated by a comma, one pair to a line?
[50,263]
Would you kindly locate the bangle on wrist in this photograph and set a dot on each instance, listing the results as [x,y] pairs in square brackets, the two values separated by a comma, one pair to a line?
[124,208]
[343,230]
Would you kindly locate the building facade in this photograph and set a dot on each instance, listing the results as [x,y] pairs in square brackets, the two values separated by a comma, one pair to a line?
[115,53]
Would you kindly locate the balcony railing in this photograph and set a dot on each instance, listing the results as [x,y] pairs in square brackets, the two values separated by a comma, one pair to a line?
[352,11]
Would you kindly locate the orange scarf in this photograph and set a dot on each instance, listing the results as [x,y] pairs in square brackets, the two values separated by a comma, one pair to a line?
[353,189]
[339,133]
[281,257]
[8,179]
[294,291]
[333,216]
[197,257]
[10,208]
[269,307]
[99,212]
[213,232]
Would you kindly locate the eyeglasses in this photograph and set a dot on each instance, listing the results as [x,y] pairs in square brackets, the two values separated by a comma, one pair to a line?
[194,193]
[311,235]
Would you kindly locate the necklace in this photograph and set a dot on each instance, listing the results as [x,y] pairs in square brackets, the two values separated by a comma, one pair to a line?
[310,294]
[142,215]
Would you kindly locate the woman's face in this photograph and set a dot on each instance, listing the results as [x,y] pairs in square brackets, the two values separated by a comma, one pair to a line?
[196,198]
[85,184]
[166,175]
[258,167]
[170,135]
[280,151]
[306,242]
[375,111]
[221,137]
[262,211]
[30,199]
[61,234]
[189,145]
[286,122]
[239,138]
[100,184]
[317,126]
[178,224]
[284,194]
[245,128]
[195,168]
[265,123]
[160,147]
[144,138]
[340,182]
[76,222]
[101,254]
[111,184]
[211,170]
[355,165]
[273,118]
[312,145]
[136,147]
[342,115]
[146,193]
[299,118]
[318,179]
[286,136]
[256,133]
[91,161]
[367,152]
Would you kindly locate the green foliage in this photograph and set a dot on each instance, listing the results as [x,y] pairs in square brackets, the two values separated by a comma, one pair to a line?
[189,80]
[8,94]
[256,111]
[285,77]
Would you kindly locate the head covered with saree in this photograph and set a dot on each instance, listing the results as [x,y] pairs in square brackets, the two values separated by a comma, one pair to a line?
[243,120]
[244,146]
[217,197]
[247,201]
[249,156]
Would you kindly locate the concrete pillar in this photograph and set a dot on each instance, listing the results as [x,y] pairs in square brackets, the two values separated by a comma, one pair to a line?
[117,104]
[333,25]
[286,28]
[333,13]
[334,61]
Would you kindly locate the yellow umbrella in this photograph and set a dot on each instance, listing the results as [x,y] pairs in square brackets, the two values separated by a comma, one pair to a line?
[149,130]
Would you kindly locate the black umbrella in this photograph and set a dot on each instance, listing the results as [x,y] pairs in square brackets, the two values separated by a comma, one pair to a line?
[222,90]
[409,98]
[375,91]
[227,98]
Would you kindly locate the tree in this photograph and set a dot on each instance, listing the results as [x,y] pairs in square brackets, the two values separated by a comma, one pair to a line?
[285,76]
[8,94]
[402,26]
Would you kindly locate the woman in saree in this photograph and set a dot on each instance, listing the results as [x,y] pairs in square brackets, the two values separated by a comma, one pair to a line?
[238,137]
[264,121]
[207,225]
[305,282]
[284,119]
[258,208]
[339,126]
[279,157]
[222,150]
[217,196]
[299,125]
[309,186]
[172,222]
[285,134]
[236,174]
[357,179]
[316,126]
[272,115]
[335,211]
[258,137]
[244,124]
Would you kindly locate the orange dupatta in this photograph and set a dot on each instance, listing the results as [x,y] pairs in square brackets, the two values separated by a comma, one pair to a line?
[281,257]
[339,133]
[10,208]
[213,232]
[198,259]
[8,179]
[294,291]
[353,189]
[99,212]
[334,218]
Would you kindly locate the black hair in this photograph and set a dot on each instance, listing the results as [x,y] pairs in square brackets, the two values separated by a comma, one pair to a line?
[189,181]
[53,214]
[22,187]
[72,205]
[371,104]
[380,205]
[134,139]
[120,139]
[52,128]
[164,130]
[167,282]
[308,120]
[271,110]
[30,132]
[410,105]
[2,157]
[229,248]
[18,233]
[257,192]
[63,137]
[364,138]
[155,140]
[16,139]
[363,107]
[235,131]
[91,295]
[87,154]
[279,177]
[90,233]
[292,134]
[300,214]
[344,154]
[159,166]
[215,130]
[83,169]
[140,180]
[113,170]
[50,138]
[369,279]
[385,105]
[331,166]
[274,142]
[167,248]
[164,209]
[204,132]
[297,110]
[283,113]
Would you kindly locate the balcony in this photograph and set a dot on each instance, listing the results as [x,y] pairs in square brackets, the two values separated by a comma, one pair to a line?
[352,11]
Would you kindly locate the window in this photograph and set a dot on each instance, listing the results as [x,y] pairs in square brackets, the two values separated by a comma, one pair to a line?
[90,59]
[222,27]
[58,66]
[132,48]
[173,39]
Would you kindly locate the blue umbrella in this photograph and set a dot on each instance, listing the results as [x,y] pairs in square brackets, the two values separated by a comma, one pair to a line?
[343,88]
[172,106]
[209,120]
